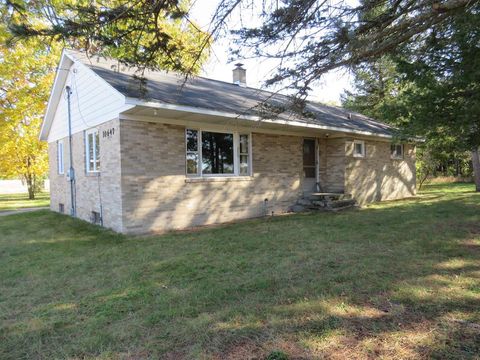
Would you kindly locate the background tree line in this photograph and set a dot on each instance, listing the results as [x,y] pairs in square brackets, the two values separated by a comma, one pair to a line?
[28,65]
[429,88]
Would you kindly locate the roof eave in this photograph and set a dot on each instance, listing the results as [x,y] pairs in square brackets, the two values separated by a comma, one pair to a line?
[60,76]
[203,111]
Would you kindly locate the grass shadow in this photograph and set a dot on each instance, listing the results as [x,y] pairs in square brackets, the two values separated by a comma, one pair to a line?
[398,279]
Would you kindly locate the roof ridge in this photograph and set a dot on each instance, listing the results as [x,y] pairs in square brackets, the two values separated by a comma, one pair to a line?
[341,113]
[172,72]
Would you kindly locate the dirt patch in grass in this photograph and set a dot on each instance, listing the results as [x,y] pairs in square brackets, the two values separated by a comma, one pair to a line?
[472,244]
[251,349]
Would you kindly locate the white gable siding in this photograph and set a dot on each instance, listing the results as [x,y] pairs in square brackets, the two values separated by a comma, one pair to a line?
[93,102]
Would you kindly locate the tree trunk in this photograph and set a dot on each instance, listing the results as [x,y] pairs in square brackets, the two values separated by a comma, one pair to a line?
[423,180]
[29,180]
[476,168]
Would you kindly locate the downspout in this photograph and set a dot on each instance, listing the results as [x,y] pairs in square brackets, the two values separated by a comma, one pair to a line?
[100,198]
[71,171]
[318,187]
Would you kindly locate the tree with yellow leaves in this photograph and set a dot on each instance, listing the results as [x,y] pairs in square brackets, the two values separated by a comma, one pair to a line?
[27,67]
[26,75]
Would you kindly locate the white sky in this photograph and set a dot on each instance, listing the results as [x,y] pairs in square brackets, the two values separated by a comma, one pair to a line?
[332,83]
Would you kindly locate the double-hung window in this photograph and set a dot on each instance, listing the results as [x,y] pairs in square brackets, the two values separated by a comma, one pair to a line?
[92,150]
[396,151]
[193,153]
[244,153]
[359,148]
[212,153]
[60,163]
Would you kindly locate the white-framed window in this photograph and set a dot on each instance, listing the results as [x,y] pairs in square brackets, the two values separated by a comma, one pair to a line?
[92,150]
[193,152]
[60,163]
[244,154]
[359,148]
[217,153]
[396,151]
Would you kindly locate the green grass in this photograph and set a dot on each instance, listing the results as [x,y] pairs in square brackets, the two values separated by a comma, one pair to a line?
[398,279]
[19,201]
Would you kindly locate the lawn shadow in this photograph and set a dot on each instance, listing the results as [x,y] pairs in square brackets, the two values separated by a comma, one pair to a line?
[392,281]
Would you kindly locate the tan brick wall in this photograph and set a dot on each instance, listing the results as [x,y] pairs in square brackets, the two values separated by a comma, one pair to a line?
[158,197]
[378,177]
[90,188]
[144,189]
[58,183]
[335,165]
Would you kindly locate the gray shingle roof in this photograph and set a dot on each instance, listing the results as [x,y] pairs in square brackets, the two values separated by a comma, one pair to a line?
[204,93]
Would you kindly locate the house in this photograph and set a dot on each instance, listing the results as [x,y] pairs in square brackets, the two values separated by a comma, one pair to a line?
[155,153]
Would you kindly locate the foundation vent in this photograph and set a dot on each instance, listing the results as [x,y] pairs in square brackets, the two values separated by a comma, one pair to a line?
[96,218]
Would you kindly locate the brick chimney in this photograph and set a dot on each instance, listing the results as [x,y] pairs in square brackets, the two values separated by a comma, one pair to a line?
[239,75]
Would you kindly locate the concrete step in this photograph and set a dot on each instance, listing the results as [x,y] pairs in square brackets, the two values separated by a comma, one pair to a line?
[325,202]
[329,196]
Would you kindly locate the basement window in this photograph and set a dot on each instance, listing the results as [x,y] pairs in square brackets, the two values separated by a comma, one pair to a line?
[213,153]
[396,151]
[359,148]
[92,150]
[96,218]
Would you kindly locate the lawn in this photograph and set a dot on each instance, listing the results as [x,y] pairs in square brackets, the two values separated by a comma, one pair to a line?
[398,279]
[19,201]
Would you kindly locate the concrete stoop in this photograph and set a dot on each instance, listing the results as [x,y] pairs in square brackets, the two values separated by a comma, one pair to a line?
[324,202]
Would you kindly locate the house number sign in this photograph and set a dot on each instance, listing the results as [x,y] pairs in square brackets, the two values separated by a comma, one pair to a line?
[108,133]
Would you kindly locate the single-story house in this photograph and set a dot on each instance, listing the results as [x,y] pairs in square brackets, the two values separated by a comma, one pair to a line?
[154,153]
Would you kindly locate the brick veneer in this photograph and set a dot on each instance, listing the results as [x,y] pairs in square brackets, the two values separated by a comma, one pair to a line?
[144,189]
[157,196]
[90,188]
[377,177]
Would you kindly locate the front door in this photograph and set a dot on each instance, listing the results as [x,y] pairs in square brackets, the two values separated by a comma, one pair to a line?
[309,165]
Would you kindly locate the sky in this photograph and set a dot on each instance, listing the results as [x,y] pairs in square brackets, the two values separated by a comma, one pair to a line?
[328,91]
